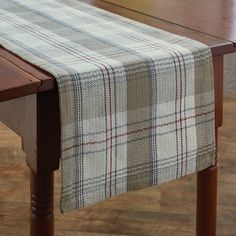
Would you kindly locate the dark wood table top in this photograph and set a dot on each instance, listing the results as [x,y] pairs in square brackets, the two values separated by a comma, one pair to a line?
[19,78]
[213,17]
[212,22]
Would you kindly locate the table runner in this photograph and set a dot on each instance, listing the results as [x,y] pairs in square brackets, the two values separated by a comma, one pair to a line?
[136,102]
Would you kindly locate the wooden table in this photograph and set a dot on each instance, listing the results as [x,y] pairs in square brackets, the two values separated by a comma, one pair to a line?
[29,99]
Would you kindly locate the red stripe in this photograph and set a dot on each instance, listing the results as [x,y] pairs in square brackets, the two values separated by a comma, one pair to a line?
[140,130]
[110,104]
[180,108]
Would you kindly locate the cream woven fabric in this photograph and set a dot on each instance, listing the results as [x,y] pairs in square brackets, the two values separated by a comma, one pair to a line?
[136,102]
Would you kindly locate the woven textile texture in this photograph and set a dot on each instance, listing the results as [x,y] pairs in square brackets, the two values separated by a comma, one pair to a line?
[136,103]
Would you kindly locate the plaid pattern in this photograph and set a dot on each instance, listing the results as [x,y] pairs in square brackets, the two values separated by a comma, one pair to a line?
[136,103]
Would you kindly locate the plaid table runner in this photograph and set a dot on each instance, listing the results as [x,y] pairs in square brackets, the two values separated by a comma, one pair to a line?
[136,103]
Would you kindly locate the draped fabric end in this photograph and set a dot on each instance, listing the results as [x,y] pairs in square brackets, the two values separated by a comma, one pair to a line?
[136,102]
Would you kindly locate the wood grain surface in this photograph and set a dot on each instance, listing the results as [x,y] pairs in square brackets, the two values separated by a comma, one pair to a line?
[213,17]
[19,78]
[15,82]
[168,210]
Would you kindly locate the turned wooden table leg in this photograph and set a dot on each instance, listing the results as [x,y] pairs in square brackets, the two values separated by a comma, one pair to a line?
[41,218]
[207,202]
[36,119]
